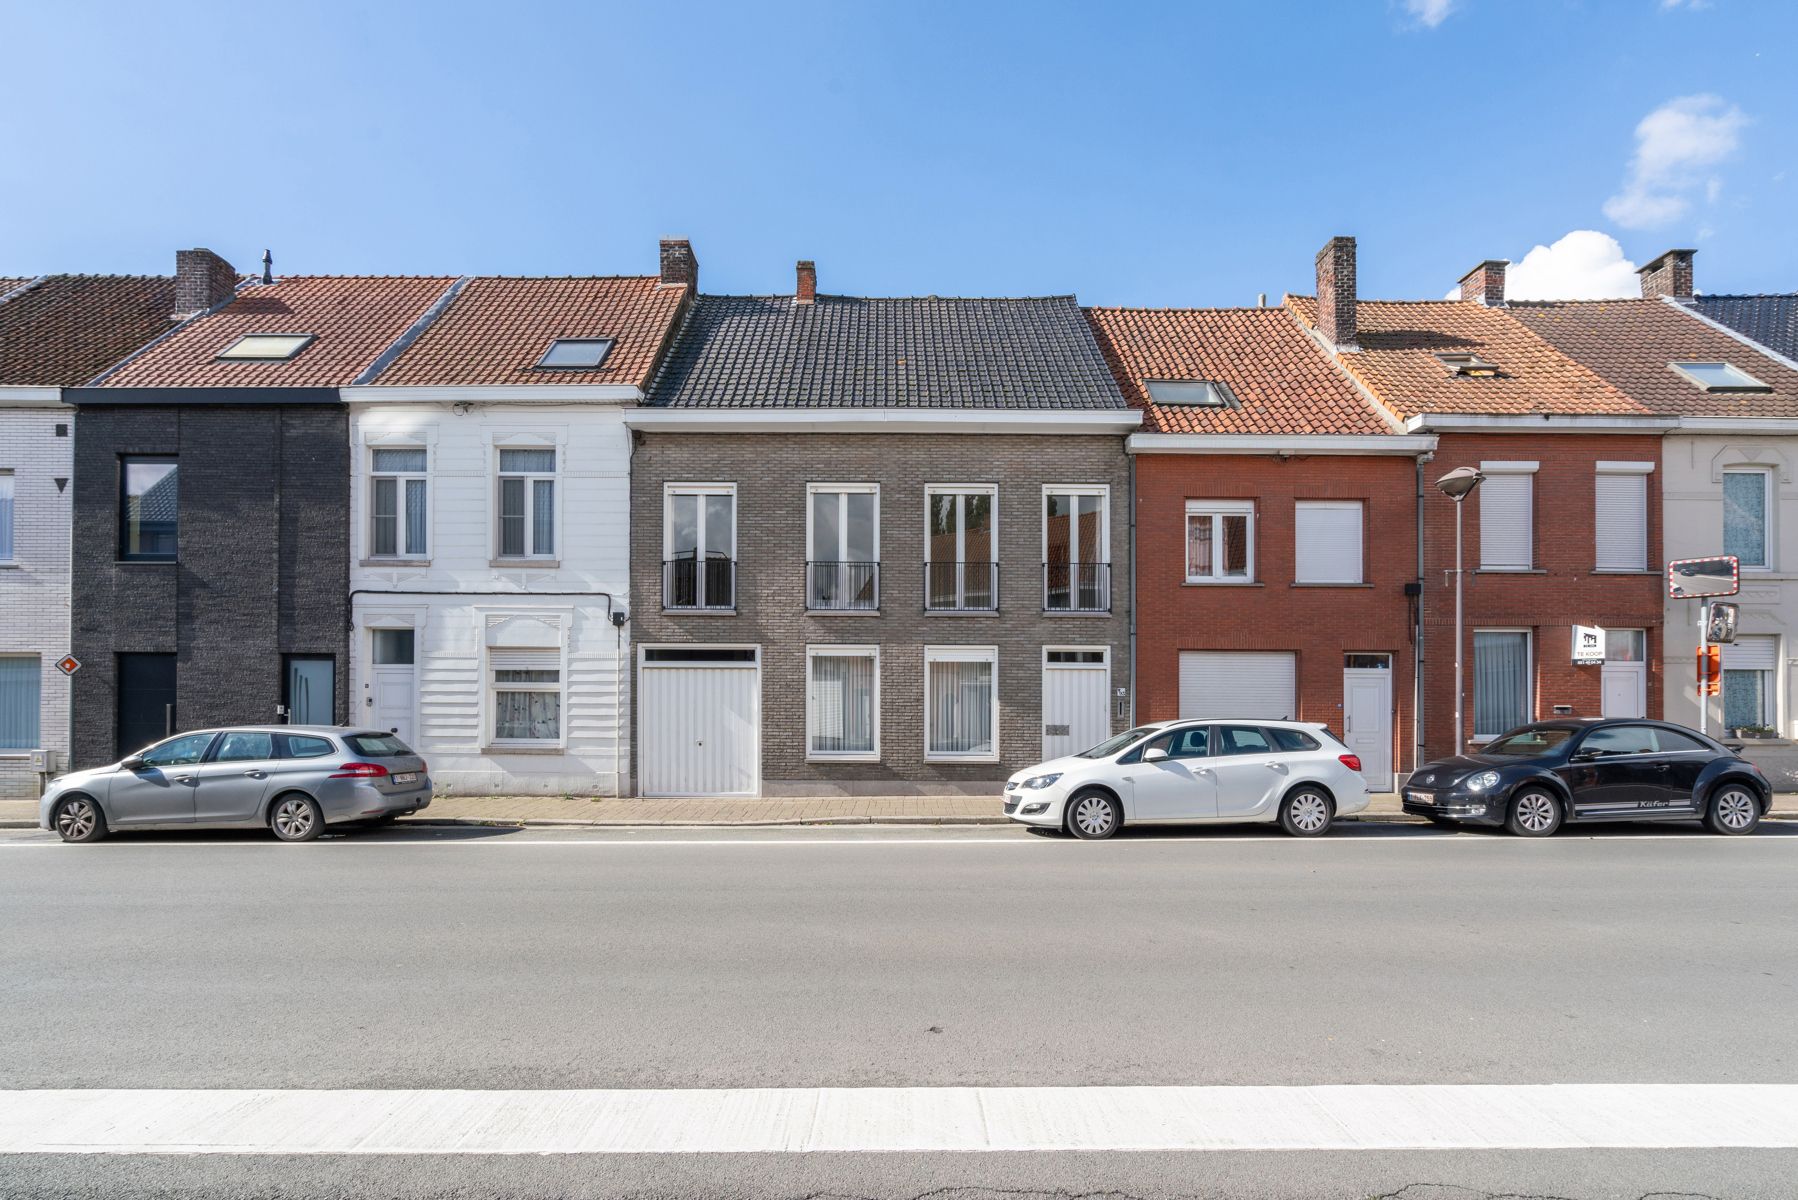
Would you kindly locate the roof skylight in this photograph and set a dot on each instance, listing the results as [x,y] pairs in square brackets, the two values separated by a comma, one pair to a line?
[267,347]
[575,354]
[1719,377]
[1470,365]
[1191,393]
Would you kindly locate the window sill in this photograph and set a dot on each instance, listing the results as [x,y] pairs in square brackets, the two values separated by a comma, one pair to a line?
[522,748]
[1622,571]
[954,759]
[1076,612]
[1330,585]
[1211,583]
[11,564]
[1509,571]
[842,612]
[826,759]
[961,612]
[516,563]
[394,562]
[698,612]
[145,562]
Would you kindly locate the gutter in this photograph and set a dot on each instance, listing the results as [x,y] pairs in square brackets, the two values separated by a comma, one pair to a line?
[1537,423]
[884,420]
[1224,443]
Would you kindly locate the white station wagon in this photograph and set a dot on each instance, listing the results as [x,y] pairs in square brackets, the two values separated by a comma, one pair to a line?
[1193,771]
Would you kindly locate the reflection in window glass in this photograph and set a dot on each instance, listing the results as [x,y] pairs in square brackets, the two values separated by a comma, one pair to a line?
[1745,516]
[148,512]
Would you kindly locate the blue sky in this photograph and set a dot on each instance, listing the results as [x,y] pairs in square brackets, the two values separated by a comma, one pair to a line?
[1131,153]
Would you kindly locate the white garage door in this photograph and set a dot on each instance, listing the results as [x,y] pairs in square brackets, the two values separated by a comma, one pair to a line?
[699,721]
[1218,683]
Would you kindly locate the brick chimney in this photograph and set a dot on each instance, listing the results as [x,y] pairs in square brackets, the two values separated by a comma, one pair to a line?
[1336,292]
[1668,275]
[806,288]
[678,263]
[203,280]
[1485,284]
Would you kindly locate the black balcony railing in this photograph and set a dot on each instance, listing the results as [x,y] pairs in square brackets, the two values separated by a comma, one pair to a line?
[961,586]
[842,586]
[699,583]
[1077,587]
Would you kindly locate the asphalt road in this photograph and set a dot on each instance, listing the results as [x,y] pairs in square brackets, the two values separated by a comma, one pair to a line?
[490,959]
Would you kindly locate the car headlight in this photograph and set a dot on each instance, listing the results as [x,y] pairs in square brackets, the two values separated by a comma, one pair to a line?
[1482,781]
[1041,781]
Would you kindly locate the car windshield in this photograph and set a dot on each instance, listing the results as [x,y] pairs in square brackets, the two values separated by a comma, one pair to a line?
[1112,745]
[377,745]
[1529,741]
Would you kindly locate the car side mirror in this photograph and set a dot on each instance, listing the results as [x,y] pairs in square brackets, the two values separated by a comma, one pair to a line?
[1154,754]
[133,763]
[1586,756]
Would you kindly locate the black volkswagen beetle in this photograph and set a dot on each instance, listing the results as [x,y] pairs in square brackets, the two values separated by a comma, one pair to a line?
[1534,778]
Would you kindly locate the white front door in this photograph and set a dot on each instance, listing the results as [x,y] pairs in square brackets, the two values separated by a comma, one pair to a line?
[699,721]
[1076,700]
[1367,718]
[1623,680]
[395,694]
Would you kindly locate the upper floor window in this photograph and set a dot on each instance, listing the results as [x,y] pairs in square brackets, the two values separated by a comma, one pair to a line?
[1191,393]
[1620,516]
[1220,541]
[148,510]
[267,347]
[575,354]
[1327,537]
[6,495]
[699,545]
[397,503]
[1745,509]
[1507,517]
[1719,377]
[1076,549]
[527,503]
[842,569]
[961,551]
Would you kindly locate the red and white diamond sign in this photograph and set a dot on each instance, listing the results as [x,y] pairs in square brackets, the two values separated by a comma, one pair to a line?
[68,664]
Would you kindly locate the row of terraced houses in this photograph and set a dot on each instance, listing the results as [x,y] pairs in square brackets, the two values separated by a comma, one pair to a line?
[614,535]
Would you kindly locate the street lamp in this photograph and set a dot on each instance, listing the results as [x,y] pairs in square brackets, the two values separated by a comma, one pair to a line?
[1457,485]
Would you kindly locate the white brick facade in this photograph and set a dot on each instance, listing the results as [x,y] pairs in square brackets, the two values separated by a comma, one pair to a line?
[34,585]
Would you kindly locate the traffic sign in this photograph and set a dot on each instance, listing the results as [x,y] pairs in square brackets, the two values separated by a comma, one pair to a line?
[68,664]
[1691,578]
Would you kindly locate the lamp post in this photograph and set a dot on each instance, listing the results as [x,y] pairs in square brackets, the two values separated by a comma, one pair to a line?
[1457,485]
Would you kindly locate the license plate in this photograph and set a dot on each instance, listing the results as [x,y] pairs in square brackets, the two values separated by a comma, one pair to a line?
[406,777]
[1420,798]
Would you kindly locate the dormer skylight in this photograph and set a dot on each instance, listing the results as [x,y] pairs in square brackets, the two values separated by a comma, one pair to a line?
[267,347]
[1719,377]
[1191,393]
[1472,366]
[575,354]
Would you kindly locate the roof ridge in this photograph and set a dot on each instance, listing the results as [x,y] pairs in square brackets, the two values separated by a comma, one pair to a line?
[1220,308]
[788,296]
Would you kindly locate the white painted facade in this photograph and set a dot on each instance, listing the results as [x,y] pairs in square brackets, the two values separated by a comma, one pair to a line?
[479,619]
[34,570]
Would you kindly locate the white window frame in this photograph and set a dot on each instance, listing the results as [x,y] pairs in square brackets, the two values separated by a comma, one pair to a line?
[9,491]
[936,654]
[399,488]
[811,723]
[1298,561]
[842,491]
[490,739]
[1103,492]
[701,490]
[530,507]
[1768,496]
[1215,509]
[1529,677]
[989,490]
[1512,469]
[1642,470]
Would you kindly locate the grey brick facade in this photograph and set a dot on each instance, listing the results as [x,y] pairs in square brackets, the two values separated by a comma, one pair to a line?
[771,471]
[262,564]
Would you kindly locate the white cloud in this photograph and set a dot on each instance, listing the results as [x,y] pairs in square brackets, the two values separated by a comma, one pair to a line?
[1583,265]
[1429,13]
[1676,145]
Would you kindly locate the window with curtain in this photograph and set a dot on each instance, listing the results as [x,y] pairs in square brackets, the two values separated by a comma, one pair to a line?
[527,695]
[1327,538]
[842,702]
[149,515]
[527,503]
[1501,681]
[961,559]
[961,708]
[1076,558]
[1220,545]
[20,676]
[397,503]
[6,500]
[1745,516]
[1748,693]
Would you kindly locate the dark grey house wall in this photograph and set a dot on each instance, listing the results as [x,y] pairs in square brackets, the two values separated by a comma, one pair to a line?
[262,567]
[771,472]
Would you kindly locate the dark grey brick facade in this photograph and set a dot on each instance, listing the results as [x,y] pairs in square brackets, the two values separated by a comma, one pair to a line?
[771,472]
[262,565]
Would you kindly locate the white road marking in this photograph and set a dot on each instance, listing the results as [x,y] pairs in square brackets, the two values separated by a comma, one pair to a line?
[874,1120]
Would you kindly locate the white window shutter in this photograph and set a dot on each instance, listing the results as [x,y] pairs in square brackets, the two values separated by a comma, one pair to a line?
[1621,521]
[1223,683]
[1505,520]
[1752,652]
[1328,535]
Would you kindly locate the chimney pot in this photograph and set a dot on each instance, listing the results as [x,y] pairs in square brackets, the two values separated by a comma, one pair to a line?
[1336,292]
[1485,284]
[679,265]
[203,280]
[806,287]
[1668,275]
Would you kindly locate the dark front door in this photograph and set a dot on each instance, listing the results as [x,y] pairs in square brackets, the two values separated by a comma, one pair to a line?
[311,691]
[146,687]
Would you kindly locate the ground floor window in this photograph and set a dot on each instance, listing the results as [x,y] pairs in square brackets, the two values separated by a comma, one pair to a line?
[1501,680]
[19,679]
[1748,691]
[961,702]
[527,695]
[842,702]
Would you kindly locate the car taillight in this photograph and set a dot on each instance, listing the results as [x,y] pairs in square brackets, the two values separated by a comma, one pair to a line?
[360,770]
[1351,761]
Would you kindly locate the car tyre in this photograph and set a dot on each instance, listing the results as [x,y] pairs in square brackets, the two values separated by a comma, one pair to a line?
[1733,810]
[295,817]
[1306,812]
[1094,816]
[79,820]
[1534,812]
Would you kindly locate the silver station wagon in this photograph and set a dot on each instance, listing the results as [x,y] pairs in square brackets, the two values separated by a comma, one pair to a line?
[293,779]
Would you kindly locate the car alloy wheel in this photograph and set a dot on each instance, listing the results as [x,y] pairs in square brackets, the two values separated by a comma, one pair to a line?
[1534,814]
[1305,813]
[79,820]
[1734,810]
[296,819]
[1092,816]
